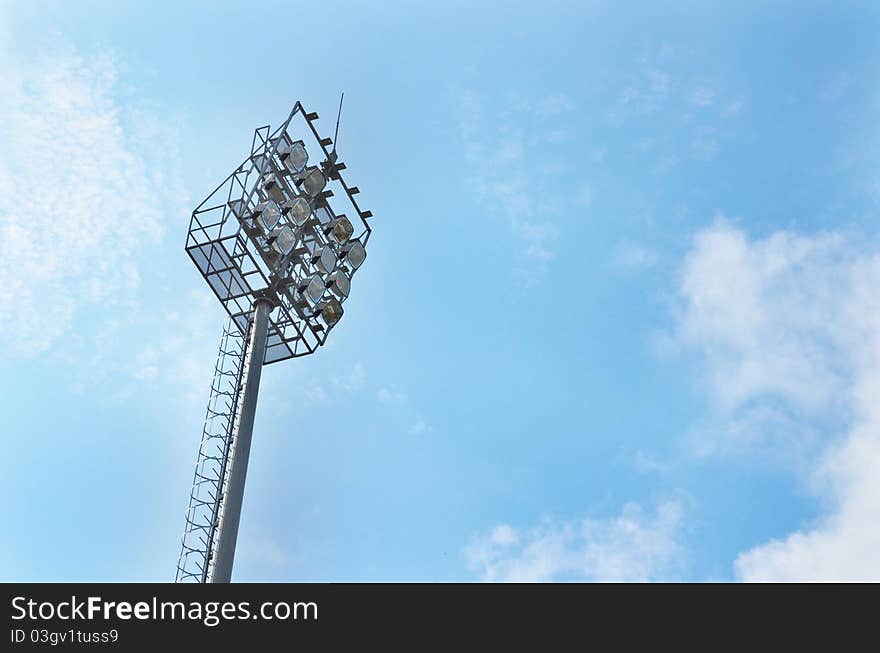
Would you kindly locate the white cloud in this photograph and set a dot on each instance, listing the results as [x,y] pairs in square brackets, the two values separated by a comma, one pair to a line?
[390,396]
[421,426]
[632,256]
[788,331]
[762,314]
[77,200]
[634,546]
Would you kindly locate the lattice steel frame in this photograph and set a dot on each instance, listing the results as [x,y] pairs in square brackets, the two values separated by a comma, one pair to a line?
[222,245]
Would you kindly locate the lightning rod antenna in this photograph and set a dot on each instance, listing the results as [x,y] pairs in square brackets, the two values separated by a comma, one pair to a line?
[338,116]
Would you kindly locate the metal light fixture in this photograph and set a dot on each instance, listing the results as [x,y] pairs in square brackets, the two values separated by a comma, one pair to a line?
[339,284]
[268,213]
[341,229]
[295,157]
[353,254]
[298,210]
[331,311]
[324,259]
[272,186]
[284,241]
[313,290]
[314,182]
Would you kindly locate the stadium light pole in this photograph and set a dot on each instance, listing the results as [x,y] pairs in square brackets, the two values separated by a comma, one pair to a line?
[238,469]
[273,243]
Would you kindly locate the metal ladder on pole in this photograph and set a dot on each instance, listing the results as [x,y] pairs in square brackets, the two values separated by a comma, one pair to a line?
[204,514]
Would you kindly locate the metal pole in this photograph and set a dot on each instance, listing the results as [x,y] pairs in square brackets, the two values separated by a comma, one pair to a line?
[242,444]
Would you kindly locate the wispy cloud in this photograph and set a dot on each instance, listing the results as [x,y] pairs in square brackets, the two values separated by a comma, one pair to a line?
[509,169]
[733,108]
[78,201]
[402,410]
[632,256]
[633,546]
[657,96]
[147,373]
[421,426]
[646,462]
[706,143]
[553,105]
[787,329]
[390,396]
[648,92]
[327,388]
[702,96]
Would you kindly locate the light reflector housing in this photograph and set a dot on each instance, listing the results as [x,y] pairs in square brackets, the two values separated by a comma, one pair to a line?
[314,182]
[284,241]
[295,157]
[299,210]
[314,289]
[353,254]
[331,311]
[268,213]
[339,284]
[340,229]
[324,259]
[272,187]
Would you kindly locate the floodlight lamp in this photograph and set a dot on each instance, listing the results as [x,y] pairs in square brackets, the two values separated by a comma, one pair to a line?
[339,284]
[331,311]
[341,229]
[273,187]
[353,254]
[324,259]
[268,213]
[314,289]
[284,241]
[299,210]
[295,157]
[314,182]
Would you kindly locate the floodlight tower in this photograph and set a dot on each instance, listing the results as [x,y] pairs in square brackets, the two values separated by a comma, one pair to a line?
[275,246]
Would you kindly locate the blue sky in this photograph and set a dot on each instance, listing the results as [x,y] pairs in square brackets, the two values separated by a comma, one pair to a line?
[617,319]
